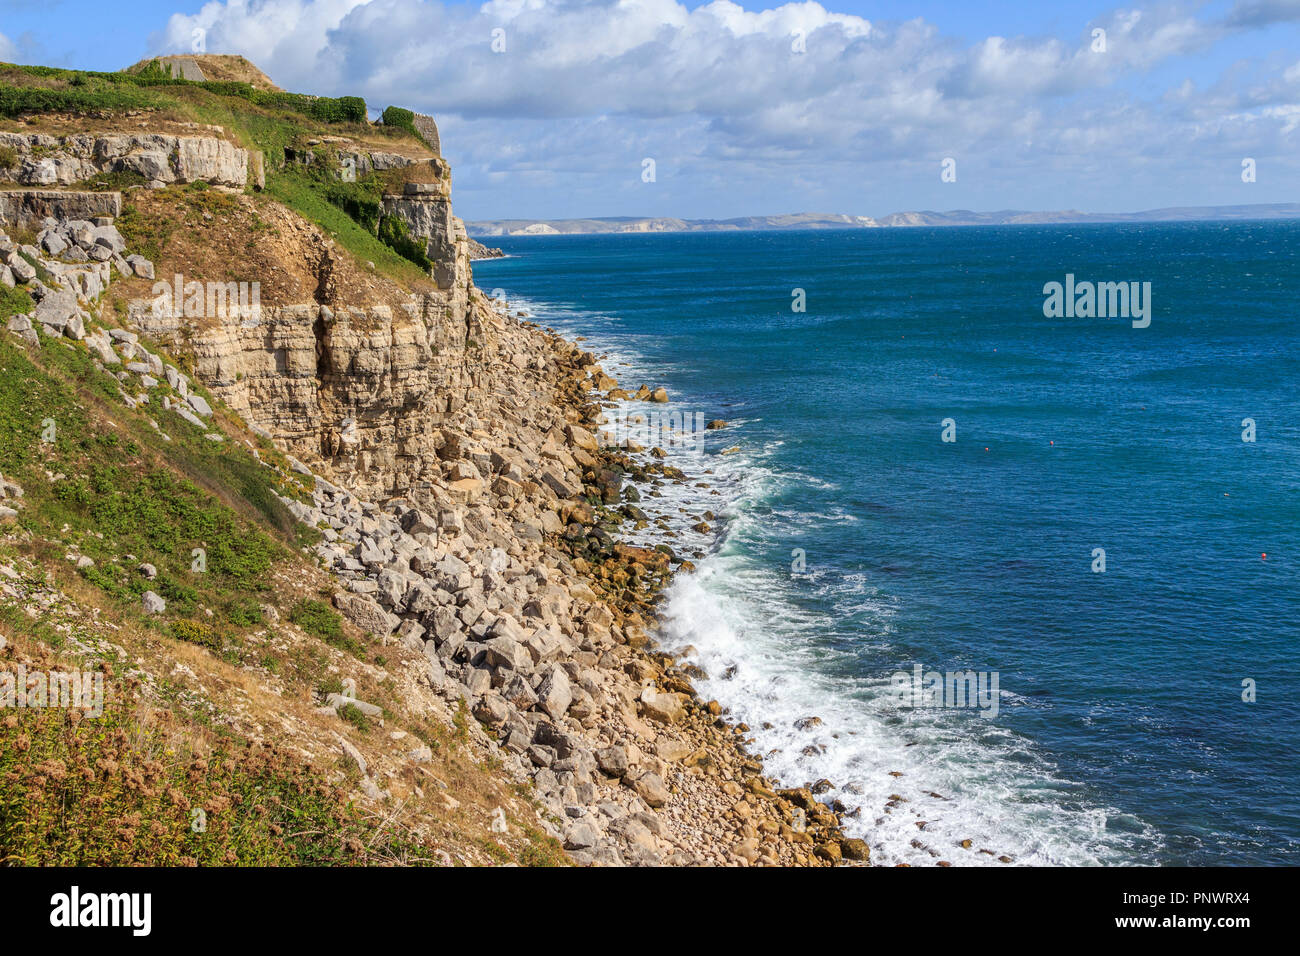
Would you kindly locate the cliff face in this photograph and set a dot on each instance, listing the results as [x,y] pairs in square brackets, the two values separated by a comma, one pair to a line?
[359,390]
[348,373]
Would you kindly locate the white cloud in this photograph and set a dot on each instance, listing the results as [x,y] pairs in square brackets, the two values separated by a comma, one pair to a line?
[594,85]
[8,52]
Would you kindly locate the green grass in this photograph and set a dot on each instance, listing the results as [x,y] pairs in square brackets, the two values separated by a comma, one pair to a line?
[22,100]
[310,201]
[128,496]
[321,620]
[14,302]
[88,91]
[318,618]
[145,238]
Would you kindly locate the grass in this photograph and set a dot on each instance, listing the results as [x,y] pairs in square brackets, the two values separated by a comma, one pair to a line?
[14,302]
[319,619]
[125,789]
[145,238]
[124,495]
[112,181]
[43,89]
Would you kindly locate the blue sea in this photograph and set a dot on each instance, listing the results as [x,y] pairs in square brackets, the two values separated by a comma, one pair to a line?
[1147,713]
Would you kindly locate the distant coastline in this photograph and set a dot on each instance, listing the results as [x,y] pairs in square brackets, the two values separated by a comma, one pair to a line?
[811,221]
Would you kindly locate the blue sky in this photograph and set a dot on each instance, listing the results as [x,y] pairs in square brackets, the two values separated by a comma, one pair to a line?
[740,120]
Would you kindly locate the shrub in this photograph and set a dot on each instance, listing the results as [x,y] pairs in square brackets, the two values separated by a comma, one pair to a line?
[111,792]
[244,612]
[403,119]
[358,200]
[318,618]
[353,715]
[196,632]
[394,234]
[331,685]
[89,91]
[20,100]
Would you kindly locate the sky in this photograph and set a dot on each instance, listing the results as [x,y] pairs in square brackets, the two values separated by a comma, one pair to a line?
[575,108]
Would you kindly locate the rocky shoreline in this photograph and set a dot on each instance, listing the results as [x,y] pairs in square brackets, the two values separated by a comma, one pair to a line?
[561,672]
[479,251]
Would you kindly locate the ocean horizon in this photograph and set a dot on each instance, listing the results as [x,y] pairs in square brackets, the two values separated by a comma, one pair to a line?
[934,466]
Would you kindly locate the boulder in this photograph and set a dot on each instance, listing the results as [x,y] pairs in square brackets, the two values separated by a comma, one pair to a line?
[366,614]
[56,309]
[612,761]
[505,653]
[650,788]
[141,266]
[23,270]
[554,693]
[664,707]
[852,848]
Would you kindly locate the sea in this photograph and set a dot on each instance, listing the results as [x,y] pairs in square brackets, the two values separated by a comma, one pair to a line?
[1012,581]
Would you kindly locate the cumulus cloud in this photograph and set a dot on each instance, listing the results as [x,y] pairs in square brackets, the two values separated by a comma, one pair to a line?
[724,94]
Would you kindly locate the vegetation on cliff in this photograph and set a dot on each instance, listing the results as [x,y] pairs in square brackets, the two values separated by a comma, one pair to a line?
[287,128]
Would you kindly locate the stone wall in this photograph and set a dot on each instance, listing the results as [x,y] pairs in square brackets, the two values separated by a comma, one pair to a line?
[429,130]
